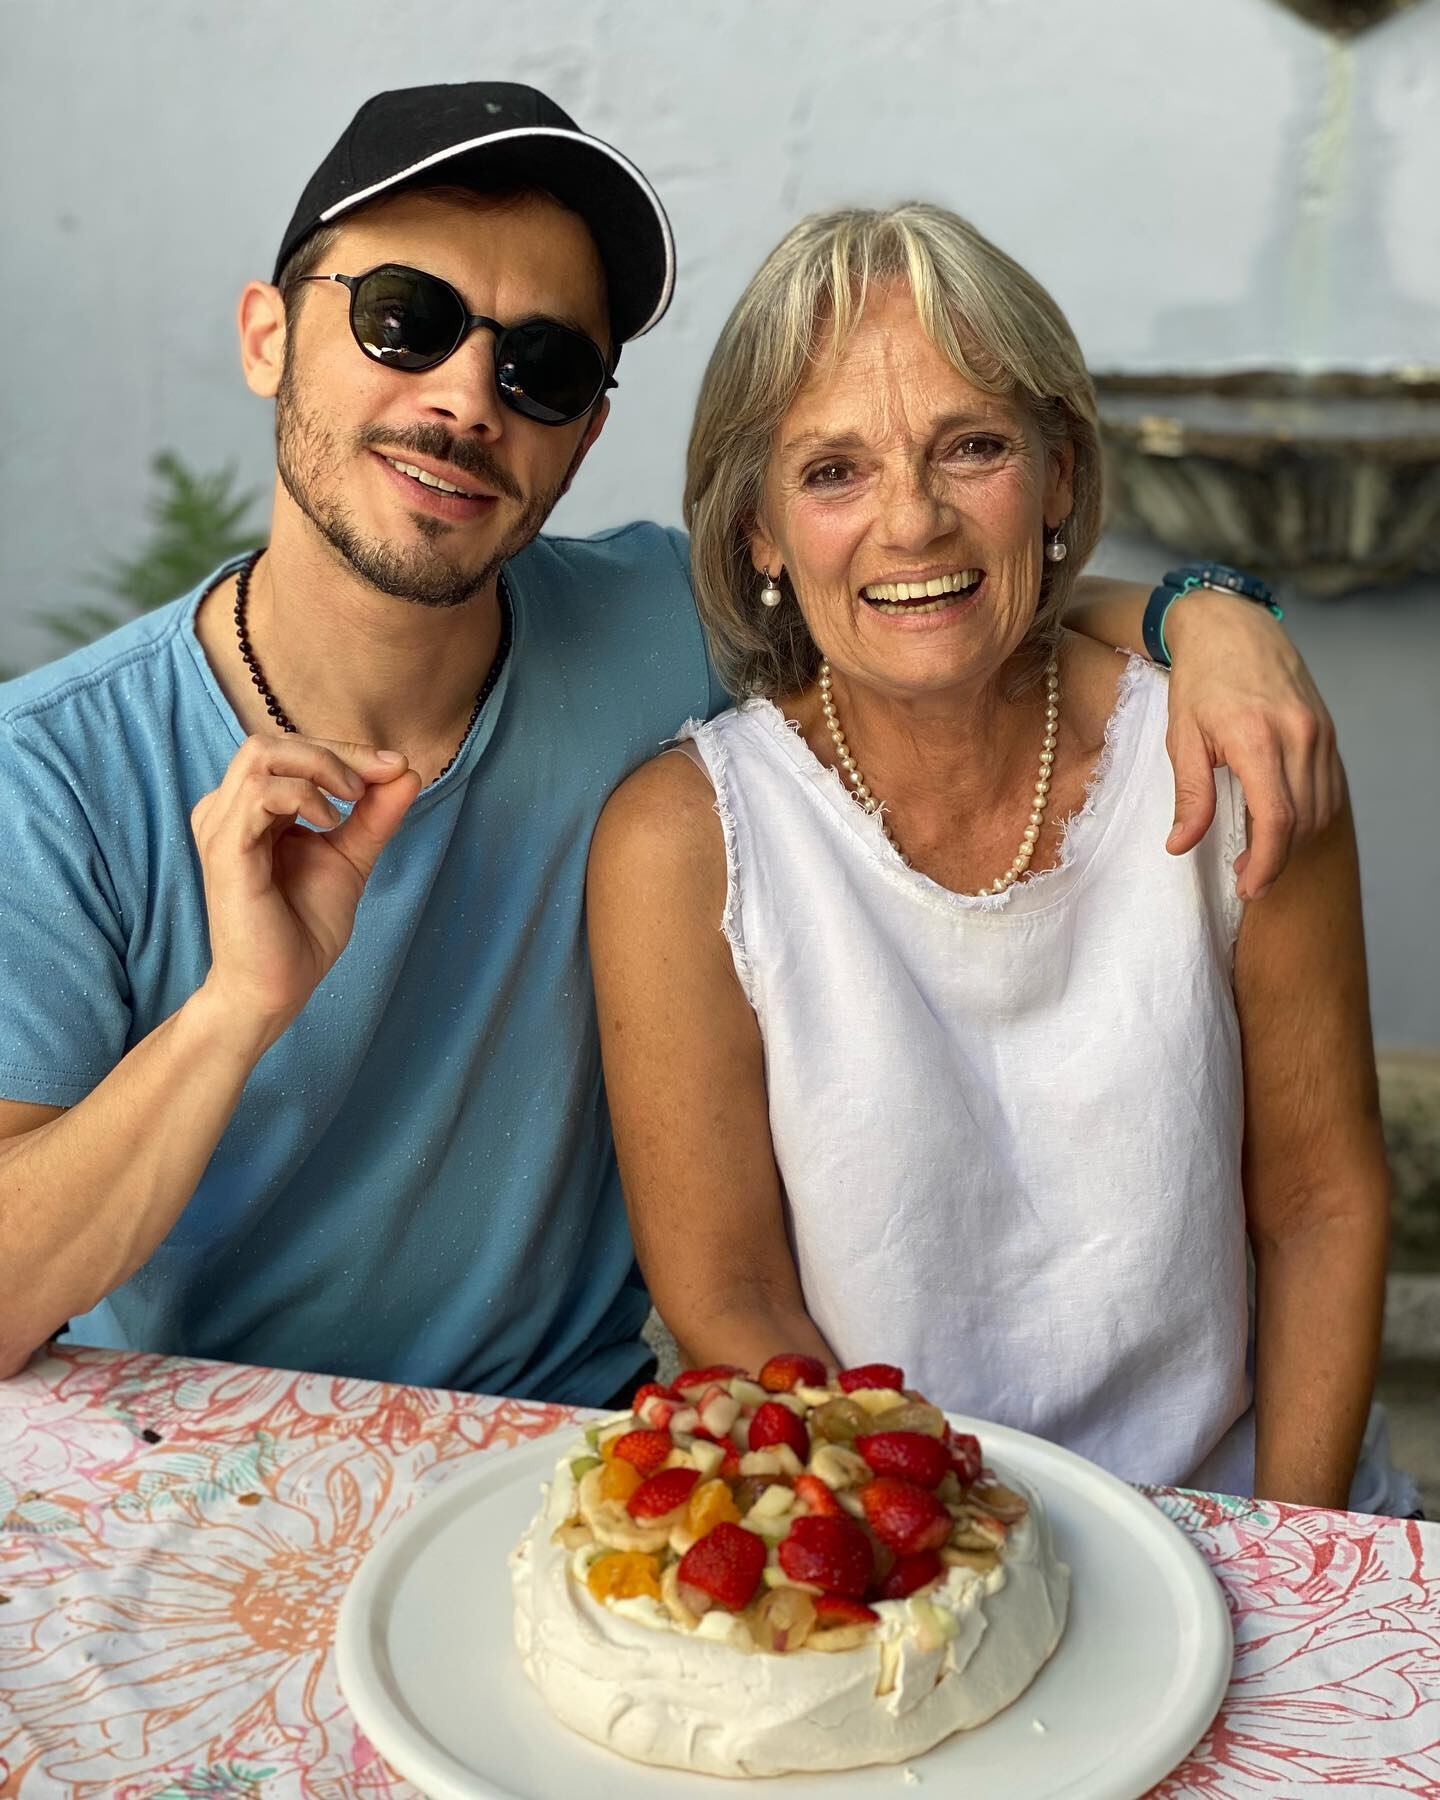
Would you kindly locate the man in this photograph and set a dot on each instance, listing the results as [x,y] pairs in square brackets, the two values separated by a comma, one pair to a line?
[219,1134]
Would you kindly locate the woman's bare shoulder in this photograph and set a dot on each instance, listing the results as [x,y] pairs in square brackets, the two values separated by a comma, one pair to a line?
[662,820]
[1091,674]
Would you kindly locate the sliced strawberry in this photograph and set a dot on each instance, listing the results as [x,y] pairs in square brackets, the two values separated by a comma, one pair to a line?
[646,1449]
[835,1609]
[650,1389]
[964,1455]
[911,1454]
[871,1375]
[656,1411]
[730,1464]
[776,1424]
[833,1554]
[817,1497]
[663,1493]
[783,1374]
[726,1564]
[703,1378]
[907,1518]
[910,1573]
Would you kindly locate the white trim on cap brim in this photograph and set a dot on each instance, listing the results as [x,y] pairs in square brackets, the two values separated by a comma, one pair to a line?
[522,131]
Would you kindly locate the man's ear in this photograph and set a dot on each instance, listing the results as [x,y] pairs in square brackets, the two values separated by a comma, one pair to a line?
[582,449]
[260,317]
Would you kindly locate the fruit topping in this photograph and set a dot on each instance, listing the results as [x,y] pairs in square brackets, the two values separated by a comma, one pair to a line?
[727,1564]
[964,1455]
[1001,1502]
[914,1415]
[831,1554]
[839,1421]
[624,1575]
[693,1382]
[783,1619]
[835,1609]
[784,1373]
[907,1518]
[908,1574]
[651,1390]
[816,1497]
[710,1504]
[647,1450]
[923,1460]
[664,1493]
[619,1479]
[871,1375]
[776,1424]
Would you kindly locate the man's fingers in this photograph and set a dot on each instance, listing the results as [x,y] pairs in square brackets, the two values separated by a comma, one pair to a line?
[1194,788]
[374,821]
[345,770]
[1271,817]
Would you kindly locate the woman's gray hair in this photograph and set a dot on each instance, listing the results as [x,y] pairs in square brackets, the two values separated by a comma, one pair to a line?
[991,320]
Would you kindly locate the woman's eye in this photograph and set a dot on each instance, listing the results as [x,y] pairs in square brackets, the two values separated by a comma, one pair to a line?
[827,474]
[978,449]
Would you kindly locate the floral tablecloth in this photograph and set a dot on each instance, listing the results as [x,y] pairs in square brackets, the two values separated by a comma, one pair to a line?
[176,1536]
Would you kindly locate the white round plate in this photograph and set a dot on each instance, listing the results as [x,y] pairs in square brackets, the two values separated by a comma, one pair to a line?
[428,1663]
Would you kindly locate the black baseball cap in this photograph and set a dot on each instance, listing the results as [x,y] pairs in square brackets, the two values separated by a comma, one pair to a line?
[499,133]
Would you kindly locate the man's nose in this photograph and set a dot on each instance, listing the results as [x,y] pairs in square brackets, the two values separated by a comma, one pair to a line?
[462,391]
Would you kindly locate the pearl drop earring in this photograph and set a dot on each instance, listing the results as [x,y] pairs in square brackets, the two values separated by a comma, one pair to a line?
[770,595]
[1056,549]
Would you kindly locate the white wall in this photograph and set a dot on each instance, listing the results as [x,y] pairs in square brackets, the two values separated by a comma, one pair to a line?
[1202,183]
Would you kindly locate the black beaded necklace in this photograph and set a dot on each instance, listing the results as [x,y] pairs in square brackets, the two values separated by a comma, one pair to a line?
[282,718]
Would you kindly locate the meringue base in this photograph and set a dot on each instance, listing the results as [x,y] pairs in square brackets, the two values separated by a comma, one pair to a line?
[629,1678]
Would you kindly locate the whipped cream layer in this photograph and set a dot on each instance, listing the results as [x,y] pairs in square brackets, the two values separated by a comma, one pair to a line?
[629,1677]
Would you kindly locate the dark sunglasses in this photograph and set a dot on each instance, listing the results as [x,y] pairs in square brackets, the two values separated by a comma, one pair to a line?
[406,319]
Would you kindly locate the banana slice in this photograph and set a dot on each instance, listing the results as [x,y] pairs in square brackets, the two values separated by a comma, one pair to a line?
[612,1523]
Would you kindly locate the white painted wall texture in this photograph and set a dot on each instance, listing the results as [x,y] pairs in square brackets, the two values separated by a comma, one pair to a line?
[1201,183]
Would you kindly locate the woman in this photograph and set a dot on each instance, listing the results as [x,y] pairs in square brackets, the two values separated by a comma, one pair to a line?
[973,1077]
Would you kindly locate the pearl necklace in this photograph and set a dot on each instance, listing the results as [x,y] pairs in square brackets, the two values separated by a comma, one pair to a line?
[1042,786]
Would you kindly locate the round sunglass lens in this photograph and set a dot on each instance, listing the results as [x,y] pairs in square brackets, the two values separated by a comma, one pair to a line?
[549,373]
[405,319]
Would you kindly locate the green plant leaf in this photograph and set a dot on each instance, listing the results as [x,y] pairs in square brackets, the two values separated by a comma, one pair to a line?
[198,520]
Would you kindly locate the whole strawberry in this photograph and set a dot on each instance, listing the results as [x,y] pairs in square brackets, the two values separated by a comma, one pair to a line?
[907,1518]
[726,1564]
[776,1424]
[783,1374]
[909,1454]
[871,1375]
[833,1554]
[662,1493]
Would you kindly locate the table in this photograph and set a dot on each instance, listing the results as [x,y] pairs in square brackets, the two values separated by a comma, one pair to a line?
[176,1537]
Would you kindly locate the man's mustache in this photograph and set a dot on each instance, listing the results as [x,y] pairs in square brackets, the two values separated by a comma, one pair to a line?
[441,445]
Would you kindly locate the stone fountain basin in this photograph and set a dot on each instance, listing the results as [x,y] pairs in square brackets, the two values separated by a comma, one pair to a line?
[1328,480]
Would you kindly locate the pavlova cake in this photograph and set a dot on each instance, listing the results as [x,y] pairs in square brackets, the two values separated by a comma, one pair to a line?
[802,1572]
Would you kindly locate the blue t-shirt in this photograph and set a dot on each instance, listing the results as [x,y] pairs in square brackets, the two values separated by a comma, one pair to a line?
[419,1181]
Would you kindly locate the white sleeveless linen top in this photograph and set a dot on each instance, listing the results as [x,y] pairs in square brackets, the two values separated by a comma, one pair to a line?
[1008,1127]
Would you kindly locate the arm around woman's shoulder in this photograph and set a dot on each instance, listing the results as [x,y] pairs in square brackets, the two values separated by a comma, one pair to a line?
[685,1074]
[1316,1183]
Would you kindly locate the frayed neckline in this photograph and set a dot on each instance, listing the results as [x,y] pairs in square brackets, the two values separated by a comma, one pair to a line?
[1084,824]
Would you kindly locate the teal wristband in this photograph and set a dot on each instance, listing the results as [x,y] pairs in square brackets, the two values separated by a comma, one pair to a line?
[1172,589]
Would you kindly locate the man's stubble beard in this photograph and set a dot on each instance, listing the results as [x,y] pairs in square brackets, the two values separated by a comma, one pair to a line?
[305,447]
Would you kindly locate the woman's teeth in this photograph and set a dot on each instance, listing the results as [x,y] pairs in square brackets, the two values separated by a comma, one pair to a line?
[940,591]
[424,475]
